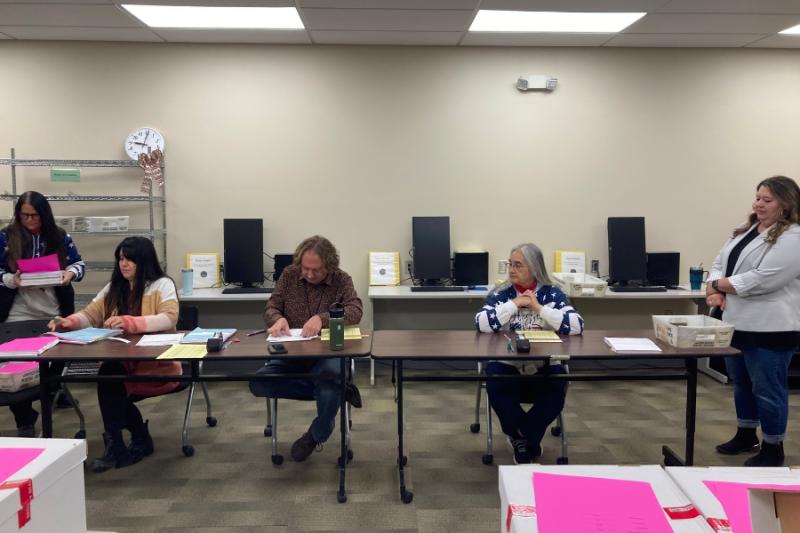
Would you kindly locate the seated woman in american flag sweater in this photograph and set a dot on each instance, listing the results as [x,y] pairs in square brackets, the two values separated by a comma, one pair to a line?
[528,300]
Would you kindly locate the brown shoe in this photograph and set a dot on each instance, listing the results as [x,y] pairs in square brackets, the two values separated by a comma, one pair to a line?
[303,447]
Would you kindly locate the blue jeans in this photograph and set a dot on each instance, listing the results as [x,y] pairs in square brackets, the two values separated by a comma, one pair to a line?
[760,389]
[506,396]
[325,389]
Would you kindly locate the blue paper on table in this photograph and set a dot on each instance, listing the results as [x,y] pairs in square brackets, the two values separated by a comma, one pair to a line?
[85,335]
[201,335]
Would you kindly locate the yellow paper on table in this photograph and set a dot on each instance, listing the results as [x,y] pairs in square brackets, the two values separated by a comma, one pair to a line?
[184,351]
[540,335]
[352,333]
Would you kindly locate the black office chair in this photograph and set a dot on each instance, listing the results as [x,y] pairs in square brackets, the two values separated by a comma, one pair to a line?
[33,328]
[271,427]
[557,430]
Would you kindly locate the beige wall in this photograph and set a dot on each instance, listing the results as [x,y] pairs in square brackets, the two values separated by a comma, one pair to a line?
[351,142]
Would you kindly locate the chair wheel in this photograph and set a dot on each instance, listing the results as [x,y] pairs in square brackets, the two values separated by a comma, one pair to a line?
[555,431]
[267,432]
[487,458]
[188,451]
[341,498]
[406,496]
[211,421]
[277,459]
[562,461]
[403,461]
[80,434]
[475,428]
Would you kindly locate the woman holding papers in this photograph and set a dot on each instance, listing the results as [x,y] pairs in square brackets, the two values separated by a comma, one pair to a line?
[755,281]
[33,234]
[139,298]
[528,300]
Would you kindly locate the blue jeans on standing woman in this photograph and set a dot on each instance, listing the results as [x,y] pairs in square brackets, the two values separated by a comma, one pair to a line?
[324,388]
[505,396]
[760,389]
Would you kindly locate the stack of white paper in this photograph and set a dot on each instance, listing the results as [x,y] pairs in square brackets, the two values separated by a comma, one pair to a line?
[34,279]
[631,344]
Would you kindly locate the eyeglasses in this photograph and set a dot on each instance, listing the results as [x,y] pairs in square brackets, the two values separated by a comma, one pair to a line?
[29,216]
[516,265]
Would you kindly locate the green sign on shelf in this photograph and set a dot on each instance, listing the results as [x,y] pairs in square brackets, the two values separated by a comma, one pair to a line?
[65,174]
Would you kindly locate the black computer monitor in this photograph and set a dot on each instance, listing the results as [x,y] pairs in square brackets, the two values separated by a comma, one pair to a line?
[627,258]
[430,238]
[281,262]
[471,268]
[244,251]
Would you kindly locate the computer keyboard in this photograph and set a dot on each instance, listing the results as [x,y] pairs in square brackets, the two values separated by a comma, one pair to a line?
[646,288]
[246,290]
[437,288]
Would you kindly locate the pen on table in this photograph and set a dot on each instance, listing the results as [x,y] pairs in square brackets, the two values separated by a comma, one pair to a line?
[509,346]
[256,332]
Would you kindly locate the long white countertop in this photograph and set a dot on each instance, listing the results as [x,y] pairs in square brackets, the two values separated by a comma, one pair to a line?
[404,292]
[215,295]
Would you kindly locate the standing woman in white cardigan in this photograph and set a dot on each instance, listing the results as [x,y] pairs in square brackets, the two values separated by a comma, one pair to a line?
[755,281]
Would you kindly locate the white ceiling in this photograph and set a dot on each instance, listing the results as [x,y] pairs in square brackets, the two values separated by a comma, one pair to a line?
[668,23]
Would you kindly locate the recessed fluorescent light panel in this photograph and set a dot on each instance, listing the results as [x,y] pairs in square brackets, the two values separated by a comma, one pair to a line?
[794,30]
[552,21]
[273,18]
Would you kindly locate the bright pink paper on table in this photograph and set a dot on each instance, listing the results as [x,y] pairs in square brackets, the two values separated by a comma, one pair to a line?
[734,499]
[18,366]
[12,460]
[25,344]
[46,263]
[589,504]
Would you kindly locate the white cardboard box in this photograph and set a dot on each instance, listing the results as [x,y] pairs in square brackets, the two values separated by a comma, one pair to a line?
[18,375]
[692,331]
[580,284]
[101,224]
[516,488]
[59,494]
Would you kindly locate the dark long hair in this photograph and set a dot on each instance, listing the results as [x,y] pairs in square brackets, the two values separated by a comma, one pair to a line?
[141,251]
[787,193]
[20,241]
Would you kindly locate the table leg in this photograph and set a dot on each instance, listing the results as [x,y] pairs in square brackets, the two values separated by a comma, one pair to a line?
[670,457]
[342,495]
[405,495]
[45,399]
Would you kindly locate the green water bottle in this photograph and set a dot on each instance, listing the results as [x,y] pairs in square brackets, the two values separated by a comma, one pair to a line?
[336,325]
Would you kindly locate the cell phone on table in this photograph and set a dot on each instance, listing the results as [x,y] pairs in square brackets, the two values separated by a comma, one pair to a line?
[276,348]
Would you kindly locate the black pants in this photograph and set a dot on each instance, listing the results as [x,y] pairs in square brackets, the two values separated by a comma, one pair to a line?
[24,413]
[116,406]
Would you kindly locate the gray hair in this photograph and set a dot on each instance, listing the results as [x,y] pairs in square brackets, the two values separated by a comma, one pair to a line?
[535,262]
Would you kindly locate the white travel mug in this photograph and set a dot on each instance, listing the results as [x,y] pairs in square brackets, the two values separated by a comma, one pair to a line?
[188,281]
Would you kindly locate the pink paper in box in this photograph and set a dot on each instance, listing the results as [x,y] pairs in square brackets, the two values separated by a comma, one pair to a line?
[12,460]
[588,504]
[735,500]
[46,263]
[18,367]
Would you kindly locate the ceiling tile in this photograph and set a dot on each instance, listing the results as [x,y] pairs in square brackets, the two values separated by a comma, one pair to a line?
[777,41]
[534,39]
[72,33]
[712,23]
[589,6]
[691,40]
[731,6]
[65,15]
[409,38]
[174,35]
[389,4]
[387,19]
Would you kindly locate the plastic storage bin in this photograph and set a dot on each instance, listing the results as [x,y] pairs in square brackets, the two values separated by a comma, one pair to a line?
[580,284]
[692,331]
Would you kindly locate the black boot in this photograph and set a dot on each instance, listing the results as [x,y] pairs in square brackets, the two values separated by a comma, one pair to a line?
[771,454]
[116,455]
[745,441]
[141,441]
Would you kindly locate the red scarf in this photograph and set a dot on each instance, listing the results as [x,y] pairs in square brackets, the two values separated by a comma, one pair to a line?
[521,289]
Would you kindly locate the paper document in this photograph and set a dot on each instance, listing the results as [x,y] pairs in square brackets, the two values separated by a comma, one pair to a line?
[26,346]
[570,261]
[350,333]
[201,335]
[184,351]
[539,335]
[384,268]
[296,335]
[631,344]
[590,504]
[86,335]
[14,459]
[164,339]
[45,263]
[734,499]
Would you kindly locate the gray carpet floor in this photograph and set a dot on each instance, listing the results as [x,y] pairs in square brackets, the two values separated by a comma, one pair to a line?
[231,485]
